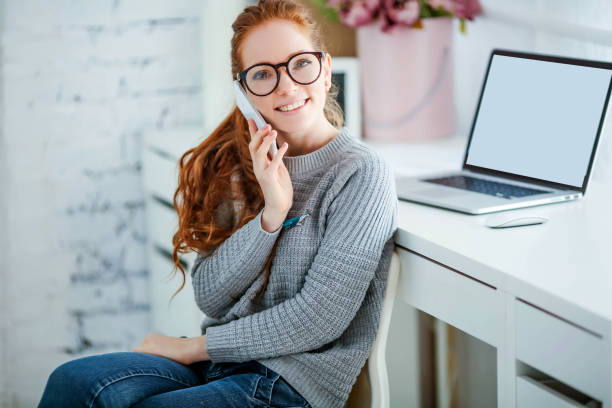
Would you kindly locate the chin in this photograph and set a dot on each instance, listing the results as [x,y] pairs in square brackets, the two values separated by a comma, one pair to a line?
[297,123]
[294,125]
[291,127]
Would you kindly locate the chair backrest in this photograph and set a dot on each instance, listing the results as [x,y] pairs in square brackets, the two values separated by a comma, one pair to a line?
[371,390]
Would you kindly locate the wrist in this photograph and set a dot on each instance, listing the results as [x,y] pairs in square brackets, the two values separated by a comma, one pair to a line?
[197,349]
[276,210]
[272,220]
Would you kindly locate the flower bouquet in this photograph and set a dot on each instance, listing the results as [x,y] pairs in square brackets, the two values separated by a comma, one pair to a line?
[395,14]
[406,61]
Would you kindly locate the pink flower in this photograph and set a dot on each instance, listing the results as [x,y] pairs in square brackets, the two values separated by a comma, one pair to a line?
[356,13]
[400,13]
[396,14]
[467,8]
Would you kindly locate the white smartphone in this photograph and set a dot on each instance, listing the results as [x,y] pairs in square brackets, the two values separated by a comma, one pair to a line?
[249,112]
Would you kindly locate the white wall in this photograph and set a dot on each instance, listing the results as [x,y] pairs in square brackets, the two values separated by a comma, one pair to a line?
[82,82]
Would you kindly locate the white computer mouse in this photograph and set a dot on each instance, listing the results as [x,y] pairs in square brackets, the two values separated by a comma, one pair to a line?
[513,220]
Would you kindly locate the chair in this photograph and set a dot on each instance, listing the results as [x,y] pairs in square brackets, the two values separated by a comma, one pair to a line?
[371,390]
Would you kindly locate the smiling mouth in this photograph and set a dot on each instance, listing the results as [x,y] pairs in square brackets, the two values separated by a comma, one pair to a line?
[293,107]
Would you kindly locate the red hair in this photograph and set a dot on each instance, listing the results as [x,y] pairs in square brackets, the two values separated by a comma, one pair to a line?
[206,171]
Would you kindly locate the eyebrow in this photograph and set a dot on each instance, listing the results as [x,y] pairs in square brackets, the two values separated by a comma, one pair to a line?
[274,63]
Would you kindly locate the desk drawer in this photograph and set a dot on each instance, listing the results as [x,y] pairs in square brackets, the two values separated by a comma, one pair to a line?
[570,354]
[533,394]
[451,296]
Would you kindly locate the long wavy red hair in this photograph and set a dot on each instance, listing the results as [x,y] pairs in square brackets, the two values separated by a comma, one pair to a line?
[205,171]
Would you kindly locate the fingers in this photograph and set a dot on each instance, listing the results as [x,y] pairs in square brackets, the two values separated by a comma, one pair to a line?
[253,128]
[266,142]
[251,123]
[277,160]
[257,135]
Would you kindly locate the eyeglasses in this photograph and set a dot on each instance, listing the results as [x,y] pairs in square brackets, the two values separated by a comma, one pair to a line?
[303,68]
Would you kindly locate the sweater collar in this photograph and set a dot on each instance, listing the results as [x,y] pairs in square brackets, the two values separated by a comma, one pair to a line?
[320,158]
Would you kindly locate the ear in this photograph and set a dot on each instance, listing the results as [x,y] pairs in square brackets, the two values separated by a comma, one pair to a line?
[327,71]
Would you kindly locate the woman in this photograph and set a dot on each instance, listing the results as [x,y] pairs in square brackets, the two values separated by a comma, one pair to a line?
[293,251]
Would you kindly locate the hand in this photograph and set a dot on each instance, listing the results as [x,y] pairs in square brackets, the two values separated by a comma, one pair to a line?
[271,174]
[182,350]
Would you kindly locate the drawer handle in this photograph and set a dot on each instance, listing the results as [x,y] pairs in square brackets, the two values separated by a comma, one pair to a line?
[448,267]
[560,390]
[591,332]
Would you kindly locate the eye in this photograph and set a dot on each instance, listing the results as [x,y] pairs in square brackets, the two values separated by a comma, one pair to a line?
[301,63]
[261,75]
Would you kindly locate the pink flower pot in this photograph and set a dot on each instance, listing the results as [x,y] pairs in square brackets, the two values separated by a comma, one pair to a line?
[407,81]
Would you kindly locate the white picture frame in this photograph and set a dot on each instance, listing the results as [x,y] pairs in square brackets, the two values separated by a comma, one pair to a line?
[345,74]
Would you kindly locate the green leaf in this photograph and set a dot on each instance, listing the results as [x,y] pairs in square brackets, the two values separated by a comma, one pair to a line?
[441,12]
[429,12]
[426,10]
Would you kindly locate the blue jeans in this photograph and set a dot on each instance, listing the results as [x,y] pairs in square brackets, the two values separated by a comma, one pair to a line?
[140,380]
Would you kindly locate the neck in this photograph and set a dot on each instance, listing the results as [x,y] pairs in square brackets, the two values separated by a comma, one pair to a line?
[307,141]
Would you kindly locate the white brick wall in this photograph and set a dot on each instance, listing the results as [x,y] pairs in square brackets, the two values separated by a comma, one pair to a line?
[80,82]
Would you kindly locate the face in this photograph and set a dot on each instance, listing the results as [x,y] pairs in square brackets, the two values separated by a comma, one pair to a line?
[273,42]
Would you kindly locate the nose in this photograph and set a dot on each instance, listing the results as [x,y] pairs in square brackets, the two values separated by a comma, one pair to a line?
[285,83]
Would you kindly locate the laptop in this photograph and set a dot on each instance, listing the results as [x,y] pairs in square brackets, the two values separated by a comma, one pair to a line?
[533,138]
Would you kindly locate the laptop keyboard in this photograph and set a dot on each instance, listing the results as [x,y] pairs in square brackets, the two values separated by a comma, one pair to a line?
[484,186]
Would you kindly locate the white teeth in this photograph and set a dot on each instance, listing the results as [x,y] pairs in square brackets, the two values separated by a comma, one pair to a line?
[292,107]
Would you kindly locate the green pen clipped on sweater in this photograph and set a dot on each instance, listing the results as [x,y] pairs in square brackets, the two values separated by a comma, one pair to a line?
[292,222]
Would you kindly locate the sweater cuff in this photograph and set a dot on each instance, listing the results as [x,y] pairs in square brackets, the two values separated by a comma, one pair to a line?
[261,229]
[219,344]
[259,242]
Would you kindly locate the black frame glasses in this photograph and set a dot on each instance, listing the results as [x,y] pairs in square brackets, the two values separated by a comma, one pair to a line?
[242,76]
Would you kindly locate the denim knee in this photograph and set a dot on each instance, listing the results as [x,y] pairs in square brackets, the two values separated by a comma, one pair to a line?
[114,380]
[64,388]
[63,378]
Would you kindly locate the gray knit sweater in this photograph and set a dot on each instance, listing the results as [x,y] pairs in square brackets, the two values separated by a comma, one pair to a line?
[318,317]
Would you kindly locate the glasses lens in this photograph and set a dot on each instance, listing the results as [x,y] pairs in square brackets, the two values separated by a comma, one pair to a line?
[261,79]
[304,68]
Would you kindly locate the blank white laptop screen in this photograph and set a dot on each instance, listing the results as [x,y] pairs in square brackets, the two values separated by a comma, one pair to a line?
[539,119]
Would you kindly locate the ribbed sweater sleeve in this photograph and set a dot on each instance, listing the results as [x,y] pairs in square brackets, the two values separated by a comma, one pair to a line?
[220,278]
[360,220]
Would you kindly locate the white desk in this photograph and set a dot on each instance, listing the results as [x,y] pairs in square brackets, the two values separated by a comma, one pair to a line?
[541,295]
